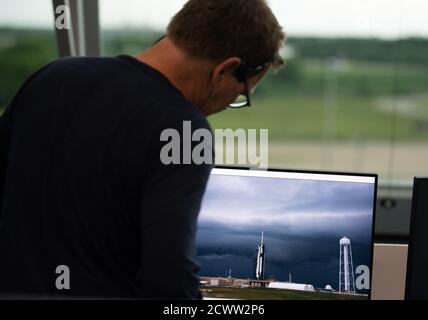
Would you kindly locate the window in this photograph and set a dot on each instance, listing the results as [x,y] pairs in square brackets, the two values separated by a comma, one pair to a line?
[27,42]
[133,25]
[354,96]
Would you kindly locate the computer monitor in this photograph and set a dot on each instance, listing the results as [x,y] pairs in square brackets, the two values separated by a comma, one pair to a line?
[417,259]
[279,234]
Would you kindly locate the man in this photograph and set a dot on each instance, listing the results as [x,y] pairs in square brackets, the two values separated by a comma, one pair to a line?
[88,207]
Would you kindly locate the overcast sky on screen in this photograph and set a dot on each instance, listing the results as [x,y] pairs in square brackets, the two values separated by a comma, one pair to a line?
[302,221]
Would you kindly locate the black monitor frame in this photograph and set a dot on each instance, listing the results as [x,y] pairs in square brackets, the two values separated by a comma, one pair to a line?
[360,174]
[420,185]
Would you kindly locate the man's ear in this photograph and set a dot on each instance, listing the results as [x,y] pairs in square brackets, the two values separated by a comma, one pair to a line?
[227,67]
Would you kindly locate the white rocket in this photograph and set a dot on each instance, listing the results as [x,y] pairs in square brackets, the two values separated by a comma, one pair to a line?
[260,261]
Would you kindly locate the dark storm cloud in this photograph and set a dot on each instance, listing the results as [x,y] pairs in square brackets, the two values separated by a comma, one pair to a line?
[303,221]
[292,207]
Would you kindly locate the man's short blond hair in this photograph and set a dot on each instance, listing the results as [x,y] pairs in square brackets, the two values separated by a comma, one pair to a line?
[220,29]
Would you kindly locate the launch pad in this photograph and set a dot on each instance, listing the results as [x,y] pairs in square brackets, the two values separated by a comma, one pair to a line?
[260,293]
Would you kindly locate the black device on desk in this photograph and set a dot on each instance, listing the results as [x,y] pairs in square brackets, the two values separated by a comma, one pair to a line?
[417,260]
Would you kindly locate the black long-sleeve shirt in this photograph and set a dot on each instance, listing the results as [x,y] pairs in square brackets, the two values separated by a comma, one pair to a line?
[82,184]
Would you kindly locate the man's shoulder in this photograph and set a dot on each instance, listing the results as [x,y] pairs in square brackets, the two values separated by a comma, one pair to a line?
[179,111]
[84,65]
[163,103]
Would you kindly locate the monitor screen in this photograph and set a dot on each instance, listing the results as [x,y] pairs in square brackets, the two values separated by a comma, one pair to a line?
[286,235]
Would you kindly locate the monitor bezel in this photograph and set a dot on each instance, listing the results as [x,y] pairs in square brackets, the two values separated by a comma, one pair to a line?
[322,172]
[416,190]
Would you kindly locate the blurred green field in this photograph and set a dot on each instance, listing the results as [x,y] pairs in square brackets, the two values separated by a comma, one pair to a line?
[295,117]
[340,90]
[272,294]
[307,112]
[339,104]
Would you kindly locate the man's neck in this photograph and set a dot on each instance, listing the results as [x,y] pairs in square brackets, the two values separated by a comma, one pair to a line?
[183,73]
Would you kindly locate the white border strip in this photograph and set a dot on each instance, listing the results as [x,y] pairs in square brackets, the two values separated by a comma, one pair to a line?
[293,175]
[399,245]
